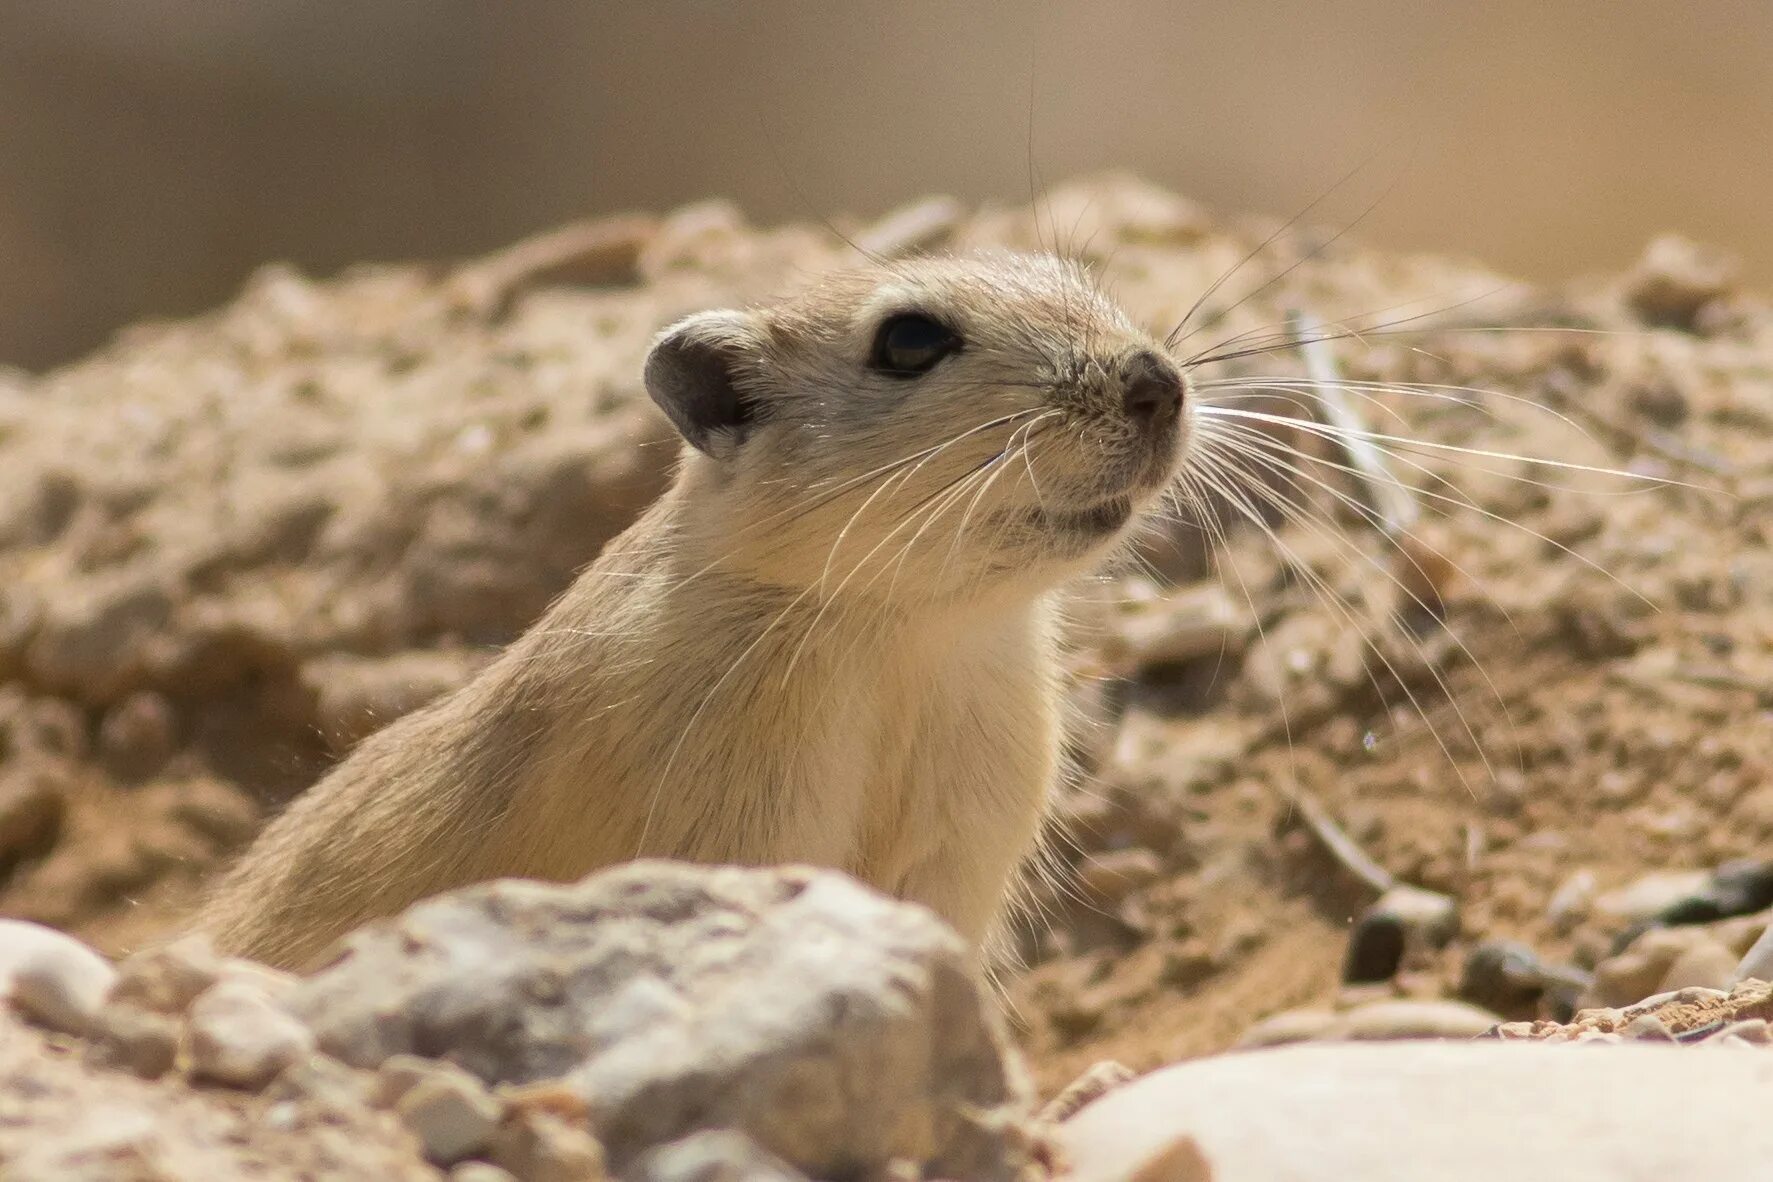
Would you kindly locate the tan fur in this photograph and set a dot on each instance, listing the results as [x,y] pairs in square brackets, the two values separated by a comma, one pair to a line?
[801,653]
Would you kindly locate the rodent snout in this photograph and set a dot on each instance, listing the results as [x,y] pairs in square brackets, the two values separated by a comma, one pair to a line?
[1151,390]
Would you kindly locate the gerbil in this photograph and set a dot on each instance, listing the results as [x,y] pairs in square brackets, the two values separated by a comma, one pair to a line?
[830,642]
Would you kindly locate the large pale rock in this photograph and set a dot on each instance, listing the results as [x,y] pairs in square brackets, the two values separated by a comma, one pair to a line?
[838,1029]
[1453,1112]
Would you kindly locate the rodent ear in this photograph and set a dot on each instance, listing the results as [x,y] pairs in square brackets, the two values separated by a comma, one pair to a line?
[693,373]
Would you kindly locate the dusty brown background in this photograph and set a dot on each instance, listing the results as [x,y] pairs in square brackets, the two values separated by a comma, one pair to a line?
[156,151]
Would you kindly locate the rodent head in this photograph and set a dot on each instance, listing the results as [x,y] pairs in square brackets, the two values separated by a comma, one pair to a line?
[932,428]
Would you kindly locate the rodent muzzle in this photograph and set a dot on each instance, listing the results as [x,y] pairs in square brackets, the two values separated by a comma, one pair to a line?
[1151,391]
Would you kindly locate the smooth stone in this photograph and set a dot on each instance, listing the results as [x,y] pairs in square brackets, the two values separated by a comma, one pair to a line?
[1406,1018]
[1706,964]
[1451,1112]
[52,978]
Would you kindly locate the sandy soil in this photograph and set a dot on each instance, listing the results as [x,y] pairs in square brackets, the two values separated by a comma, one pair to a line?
[231,547]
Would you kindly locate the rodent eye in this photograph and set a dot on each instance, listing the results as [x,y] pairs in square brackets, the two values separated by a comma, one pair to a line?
[911,344]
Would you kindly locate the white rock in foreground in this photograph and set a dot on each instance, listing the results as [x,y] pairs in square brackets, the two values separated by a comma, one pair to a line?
[838,1029]
[1451,1112]
[52,977]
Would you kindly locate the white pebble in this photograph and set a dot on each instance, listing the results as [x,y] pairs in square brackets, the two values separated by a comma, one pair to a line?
[239,1037]
[480,1171]
[452,1115]
[53,979]
[168,979]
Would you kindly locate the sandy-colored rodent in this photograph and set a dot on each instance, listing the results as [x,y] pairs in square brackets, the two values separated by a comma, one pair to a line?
[830,642]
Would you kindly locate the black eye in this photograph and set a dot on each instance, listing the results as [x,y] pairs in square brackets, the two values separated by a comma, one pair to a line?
[911,344]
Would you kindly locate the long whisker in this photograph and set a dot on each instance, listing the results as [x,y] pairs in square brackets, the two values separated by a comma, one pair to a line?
[1329,432]
[677,747]
[812,504]
[1291,339]
[828,599]
[1464,502]
[1171,338]
[1313,253]
[1292,475]
[960,530]
[1269,444]
[1334,602]
[1476,397]
[1287,343]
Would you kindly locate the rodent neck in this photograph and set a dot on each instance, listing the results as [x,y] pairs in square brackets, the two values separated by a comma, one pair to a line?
[855,578]
[674,564]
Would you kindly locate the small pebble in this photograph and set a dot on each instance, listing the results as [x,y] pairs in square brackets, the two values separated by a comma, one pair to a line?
[1092,1085]
[320,1080]
[1290,1026]
[1404,918]
[1603,1016]
[1409,1018]
[1738,933]
[239,1037]
[1504,976]
[1639,969]
[398,1074]
[1648,1028]
[924,225]
[138,734]
[1598,1037]
[139,1041]
[273,983]
[1646,898]
[1429,915]
[1742,887]
[1353,997]
[1659,399]
[1203,622]
[551,1097]
[32,802]
[1705,963]
[541,1148]
[1692,995]
[54,979]
[1675,280]
[1750,1031]
[56,728]
[1187,963]
[1375,949]
[451,1113]
[168,979]
[480,1171]
[1571,903]
[716,1155]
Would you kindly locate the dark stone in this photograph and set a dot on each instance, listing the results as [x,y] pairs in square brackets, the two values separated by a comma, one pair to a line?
[1375,949]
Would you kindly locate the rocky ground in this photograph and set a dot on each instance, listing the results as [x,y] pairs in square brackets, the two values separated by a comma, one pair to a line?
[1514,762]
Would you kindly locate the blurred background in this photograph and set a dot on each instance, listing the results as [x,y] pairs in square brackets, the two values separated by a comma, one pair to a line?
[156,151]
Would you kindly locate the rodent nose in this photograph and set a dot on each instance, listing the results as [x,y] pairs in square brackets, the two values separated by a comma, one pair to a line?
[1152,390]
